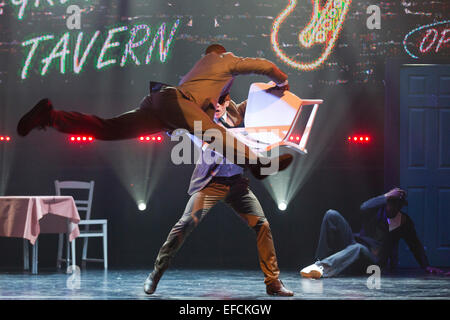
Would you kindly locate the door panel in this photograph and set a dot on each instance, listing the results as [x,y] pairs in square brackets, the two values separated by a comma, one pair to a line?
[425,158]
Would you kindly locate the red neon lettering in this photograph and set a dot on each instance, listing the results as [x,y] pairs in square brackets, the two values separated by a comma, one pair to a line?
[443,40]
[425,38]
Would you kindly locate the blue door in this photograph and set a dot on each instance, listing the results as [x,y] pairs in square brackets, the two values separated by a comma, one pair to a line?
[425,158]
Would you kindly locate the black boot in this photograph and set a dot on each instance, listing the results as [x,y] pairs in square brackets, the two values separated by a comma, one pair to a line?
[38,117]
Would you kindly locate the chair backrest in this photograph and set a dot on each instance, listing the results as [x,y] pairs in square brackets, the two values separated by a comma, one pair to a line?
[82,204]
[272,115]
[274,109]
[270,108]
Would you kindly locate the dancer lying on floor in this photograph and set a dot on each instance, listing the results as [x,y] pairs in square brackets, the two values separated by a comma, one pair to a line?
[339,250]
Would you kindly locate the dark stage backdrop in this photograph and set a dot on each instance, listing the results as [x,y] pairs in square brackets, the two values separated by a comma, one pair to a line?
[105,65]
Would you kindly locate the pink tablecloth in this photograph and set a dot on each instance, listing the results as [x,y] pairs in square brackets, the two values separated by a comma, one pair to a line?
[27,217]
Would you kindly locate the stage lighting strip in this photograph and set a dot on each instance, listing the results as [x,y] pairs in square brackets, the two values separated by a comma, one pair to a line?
[150,138]
[421,45]
[81,139]
[325,26]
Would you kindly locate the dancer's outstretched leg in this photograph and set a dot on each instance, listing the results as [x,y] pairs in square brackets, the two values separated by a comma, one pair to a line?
[166,109]
[126,126]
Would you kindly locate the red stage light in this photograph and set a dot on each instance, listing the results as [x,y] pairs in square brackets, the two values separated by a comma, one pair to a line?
[294,138]
[150,138]
[359,139]
[81,139]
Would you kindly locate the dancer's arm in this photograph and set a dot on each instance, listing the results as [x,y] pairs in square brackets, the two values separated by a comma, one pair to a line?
[414,244]
[378,202]
[260,66]
[374,203]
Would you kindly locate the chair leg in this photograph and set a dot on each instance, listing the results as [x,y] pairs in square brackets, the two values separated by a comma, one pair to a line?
[105,246]
[34,267]
[26,255]
[74,258]
[60,249]
[85,249]
[67,250]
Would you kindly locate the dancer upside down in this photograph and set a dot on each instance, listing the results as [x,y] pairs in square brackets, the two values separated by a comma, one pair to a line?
[172,108]
[213,180]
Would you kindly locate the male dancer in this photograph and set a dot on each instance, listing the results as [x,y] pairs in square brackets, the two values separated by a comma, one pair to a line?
[172,108]
[377,243]
[213,180]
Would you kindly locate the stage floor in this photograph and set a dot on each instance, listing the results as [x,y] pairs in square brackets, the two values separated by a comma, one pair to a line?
[212,285]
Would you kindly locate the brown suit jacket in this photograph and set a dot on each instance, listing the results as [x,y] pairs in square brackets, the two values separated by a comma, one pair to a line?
[203,172]
[236,112]
[212,76]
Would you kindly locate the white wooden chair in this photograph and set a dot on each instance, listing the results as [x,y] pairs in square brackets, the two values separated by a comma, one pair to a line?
[82,205]
[270,118]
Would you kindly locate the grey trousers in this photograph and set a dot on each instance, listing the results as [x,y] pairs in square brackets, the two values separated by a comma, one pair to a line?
[337,251]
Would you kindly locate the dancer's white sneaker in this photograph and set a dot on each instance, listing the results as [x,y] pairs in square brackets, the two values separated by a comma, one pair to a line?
[313,271]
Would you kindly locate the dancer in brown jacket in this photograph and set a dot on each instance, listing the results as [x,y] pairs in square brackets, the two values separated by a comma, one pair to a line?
[173,107]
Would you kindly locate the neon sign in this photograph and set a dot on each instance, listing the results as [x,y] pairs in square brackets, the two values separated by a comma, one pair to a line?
[324,28]
[61,50]
[23,4]
[434,39]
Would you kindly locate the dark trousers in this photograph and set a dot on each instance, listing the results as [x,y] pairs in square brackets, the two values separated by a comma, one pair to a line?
[244,203]
[165,110]
[337,250]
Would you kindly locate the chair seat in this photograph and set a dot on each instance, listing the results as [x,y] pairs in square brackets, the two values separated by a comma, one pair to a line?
[95,221]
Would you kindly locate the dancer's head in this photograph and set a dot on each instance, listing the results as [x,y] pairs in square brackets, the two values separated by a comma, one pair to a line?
[221,106]
[393,207]
[216,48]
